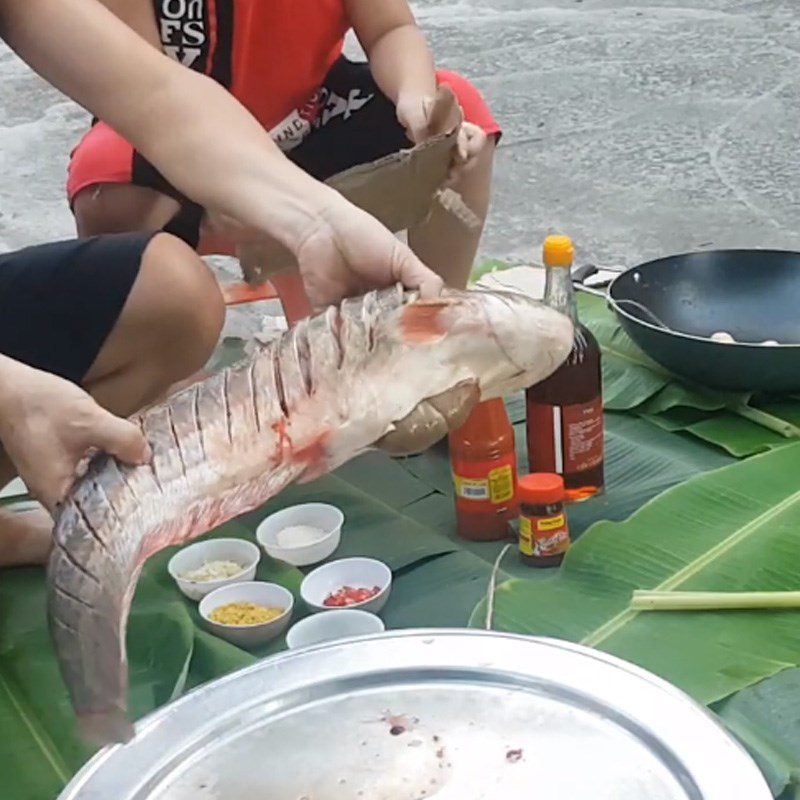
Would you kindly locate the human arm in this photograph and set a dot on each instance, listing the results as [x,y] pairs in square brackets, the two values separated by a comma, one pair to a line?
[203,141]
[137,15]
[403,66]
[399,57]
[48,424]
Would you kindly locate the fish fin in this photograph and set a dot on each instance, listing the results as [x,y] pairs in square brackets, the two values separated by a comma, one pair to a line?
[431,420]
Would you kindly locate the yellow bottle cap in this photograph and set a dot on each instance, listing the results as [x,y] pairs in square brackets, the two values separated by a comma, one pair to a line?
[558,251]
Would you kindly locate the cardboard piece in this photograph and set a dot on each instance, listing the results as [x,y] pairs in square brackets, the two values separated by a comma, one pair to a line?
[400,190]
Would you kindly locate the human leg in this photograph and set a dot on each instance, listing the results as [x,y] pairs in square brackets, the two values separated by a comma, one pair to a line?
[126,316]
[111,189]
[24,535]
[442,242]
[119,208]
[357,124]
[167,331]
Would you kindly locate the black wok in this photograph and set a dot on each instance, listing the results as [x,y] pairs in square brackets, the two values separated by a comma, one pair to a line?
[670,307]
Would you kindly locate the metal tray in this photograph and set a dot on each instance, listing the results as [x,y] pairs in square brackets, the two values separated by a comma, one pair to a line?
[451,715]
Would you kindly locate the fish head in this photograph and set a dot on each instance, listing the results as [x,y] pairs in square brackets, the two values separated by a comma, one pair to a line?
[506,341]
[468,346]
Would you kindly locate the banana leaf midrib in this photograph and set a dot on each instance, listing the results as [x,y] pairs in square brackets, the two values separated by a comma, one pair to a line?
[691,569]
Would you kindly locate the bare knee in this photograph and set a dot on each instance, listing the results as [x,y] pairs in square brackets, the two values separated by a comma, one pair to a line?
[185,305]
[119,208]
[475,183]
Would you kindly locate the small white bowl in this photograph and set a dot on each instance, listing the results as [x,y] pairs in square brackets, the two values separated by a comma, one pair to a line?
[195,555]
[340,623]
[360,573]
[327,518]
[258,592]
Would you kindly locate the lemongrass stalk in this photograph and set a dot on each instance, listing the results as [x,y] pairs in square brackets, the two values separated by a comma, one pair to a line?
[645,600]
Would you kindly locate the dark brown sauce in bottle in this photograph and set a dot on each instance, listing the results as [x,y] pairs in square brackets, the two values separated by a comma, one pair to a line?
[565,411]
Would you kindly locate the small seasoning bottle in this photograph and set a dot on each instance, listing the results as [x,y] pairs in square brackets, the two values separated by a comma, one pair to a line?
[483,459]
[543,528]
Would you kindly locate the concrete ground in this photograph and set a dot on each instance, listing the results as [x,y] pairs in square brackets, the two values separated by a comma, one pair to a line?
[639,128]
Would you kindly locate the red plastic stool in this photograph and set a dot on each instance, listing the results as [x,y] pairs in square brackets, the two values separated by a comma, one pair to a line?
[285,286]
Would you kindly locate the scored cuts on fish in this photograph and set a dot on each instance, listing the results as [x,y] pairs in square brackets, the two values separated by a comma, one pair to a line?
[386,369]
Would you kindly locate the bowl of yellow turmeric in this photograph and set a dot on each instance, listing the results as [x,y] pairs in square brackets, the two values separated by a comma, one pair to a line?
[248,614]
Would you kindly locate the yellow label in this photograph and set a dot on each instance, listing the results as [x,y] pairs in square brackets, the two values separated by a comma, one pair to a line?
[501,484]
[471,488]
[526,543]
[551,523]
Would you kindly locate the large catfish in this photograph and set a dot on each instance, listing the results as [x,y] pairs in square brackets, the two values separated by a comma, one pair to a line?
[387,370]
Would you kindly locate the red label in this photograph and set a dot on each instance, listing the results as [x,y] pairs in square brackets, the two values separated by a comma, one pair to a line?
[565,439]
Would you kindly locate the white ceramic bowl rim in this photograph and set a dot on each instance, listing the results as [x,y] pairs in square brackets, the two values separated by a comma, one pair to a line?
[269,527]
[335,568]
[366,622]
[207,601]
[252,548]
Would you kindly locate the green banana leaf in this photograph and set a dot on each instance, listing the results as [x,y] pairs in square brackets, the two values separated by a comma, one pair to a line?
[766,719]
[737,528]
[393,511]
[738,423]
[739,436]
[435,583]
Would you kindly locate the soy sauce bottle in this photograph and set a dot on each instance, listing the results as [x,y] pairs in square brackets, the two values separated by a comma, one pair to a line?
[564,425]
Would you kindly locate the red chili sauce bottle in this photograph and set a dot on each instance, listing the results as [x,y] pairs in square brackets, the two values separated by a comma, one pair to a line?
[484,463]
[543,528]
[565,426]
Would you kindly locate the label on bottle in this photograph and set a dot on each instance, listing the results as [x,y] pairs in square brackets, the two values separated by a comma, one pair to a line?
[565,439]
[543,536]
[487,481]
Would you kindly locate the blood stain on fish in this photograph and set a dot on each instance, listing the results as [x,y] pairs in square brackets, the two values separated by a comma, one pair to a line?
[420,322]
[314,456]
[284,440]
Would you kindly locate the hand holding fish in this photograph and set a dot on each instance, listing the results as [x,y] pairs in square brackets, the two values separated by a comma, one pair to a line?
[48,424]
[343,252]
[349,252]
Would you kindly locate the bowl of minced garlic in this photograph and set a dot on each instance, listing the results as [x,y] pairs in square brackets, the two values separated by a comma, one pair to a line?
[248,614]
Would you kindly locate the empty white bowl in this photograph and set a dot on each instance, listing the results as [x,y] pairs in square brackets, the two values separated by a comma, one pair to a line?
[360,573]
[327,518]
[195,555]
[341,623]
[258,592]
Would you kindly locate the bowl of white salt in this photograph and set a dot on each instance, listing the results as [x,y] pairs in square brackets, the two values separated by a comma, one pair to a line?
[303,534]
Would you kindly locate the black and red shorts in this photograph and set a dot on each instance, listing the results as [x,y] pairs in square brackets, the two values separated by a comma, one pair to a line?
[59,302]
[350,122]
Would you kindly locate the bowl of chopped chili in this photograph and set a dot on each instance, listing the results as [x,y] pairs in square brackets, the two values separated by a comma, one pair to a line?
[363,583]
